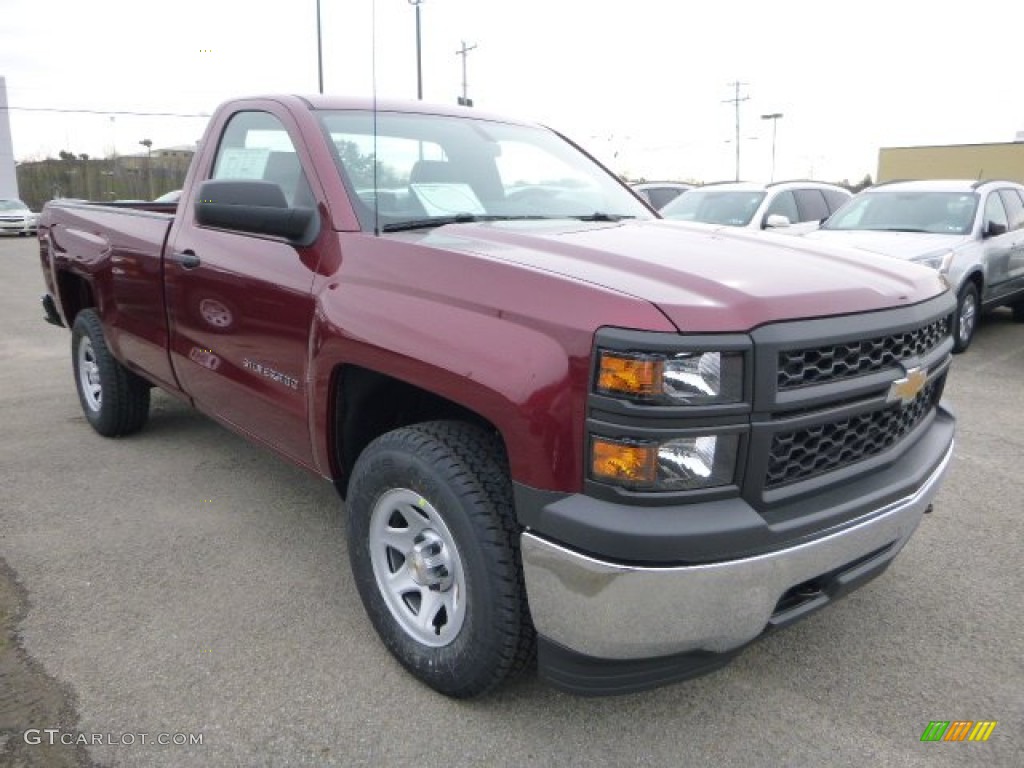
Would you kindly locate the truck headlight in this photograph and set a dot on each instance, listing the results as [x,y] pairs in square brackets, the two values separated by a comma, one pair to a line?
[678,464]
[683,378]
[938,261]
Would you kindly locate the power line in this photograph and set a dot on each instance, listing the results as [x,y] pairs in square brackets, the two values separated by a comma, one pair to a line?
[105,112]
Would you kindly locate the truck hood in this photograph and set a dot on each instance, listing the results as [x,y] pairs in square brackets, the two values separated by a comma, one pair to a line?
[703,281]
[900,245]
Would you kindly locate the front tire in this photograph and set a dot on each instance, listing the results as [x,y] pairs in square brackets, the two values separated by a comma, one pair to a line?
[115,400]
[434,551]
[968,311]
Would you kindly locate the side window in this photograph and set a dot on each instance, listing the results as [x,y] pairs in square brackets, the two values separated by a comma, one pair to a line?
[995,213]
[1014,208]
[812,205]
[662,196]
[783,205]
[255,145]
[646,195]
[835,199]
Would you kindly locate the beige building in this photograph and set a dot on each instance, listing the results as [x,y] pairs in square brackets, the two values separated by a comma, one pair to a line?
[954,161]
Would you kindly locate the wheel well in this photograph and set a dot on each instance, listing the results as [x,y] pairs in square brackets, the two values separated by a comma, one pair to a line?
[75,295]
[976,278]
[368,404]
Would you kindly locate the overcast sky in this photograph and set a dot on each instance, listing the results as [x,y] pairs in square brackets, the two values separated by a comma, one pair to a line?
[641,84]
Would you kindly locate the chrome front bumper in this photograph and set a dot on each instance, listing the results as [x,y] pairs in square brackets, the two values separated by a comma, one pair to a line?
[612,611]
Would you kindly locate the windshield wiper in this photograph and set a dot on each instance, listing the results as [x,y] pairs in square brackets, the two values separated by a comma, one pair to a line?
[458,218]
[907,229]
[600,216]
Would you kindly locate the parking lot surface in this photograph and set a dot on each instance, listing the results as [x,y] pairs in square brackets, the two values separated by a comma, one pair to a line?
[184,582]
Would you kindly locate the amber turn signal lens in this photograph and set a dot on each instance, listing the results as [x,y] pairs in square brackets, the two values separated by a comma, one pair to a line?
[623,463]
[636,376]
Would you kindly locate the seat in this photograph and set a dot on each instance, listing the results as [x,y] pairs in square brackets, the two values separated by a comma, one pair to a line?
[482,178]
[435,172]
[285,170]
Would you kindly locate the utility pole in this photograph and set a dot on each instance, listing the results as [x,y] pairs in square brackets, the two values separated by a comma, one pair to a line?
[464,99]
[735,101]
[774,117]
[148,144]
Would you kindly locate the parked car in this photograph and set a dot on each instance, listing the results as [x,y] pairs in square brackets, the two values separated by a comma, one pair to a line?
[971,231]
[169,197]
[658,194]
[780,205]
[16,218]
[559,423]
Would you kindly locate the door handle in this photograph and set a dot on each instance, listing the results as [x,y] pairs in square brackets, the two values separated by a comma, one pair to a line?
[187,259]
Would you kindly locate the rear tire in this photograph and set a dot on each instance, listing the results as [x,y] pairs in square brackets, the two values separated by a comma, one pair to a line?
[968,312]
[434,550]
[115,400]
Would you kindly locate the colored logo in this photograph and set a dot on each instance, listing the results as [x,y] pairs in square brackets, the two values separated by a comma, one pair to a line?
[906,389]
[958,730]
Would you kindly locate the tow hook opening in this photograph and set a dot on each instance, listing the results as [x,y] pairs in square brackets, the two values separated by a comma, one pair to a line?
[814,593]
[805,592]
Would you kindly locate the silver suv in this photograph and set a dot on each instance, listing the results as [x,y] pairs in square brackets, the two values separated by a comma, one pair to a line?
[971,231]
[777,206]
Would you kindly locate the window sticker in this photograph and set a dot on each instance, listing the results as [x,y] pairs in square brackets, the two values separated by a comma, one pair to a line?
[447,199]
[242,163]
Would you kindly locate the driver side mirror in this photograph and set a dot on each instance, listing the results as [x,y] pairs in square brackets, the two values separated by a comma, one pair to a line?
[255,207]
[993,229]
[776,221]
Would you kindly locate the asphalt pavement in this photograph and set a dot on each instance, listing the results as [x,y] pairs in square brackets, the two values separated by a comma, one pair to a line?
[184,582]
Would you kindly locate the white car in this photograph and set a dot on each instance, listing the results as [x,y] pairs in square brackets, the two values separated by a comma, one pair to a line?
[658,194]
[785,206]
[16,218]
[971,231]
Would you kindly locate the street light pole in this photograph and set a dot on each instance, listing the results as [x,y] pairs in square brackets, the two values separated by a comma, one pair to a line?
[774,117]
[419,60]
[319,50]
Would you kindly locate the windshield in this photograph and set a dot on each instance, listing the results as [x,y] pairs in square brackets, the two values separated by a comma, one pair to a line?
[12,205]
[941,213]
[424,170]
[732,208]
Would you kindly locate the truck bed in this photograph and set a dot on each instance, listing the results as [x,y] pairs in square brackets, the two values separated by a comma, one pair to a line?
[119,249]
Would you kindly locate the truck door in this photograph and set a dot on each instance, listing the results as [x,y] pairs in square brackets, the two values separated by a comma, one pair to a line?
[240,304]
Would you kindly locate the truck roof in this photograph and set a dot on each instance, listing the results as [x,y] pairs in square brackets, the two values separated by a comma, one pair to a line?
[325,102]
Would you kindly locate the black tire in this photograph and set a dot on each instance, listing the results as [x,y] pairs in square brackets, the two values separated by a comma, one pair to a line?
[459,473]
[968,313]
[116,403]
[1018,310]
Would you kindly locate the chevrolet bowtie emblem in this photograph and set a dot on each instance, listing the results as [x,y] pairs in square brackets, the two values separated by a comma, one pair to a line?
[909,387]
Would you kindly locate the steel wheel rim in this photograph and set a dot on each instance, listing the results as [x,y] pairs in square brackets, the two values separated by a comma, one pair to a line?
[968,316]
[417,567]
[89,375]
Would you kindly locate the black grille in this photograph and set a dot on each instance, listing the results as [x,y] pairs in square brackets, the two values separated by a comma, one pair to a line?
[811,451]
[801,367]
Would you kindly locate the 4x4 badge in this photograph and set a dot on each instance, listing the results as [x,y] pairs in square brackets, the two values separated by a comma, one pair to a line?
[907,388]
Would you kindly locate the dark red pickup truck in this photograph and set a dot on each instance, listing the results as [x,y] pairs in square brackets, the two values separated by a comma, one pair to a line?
[562,426]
